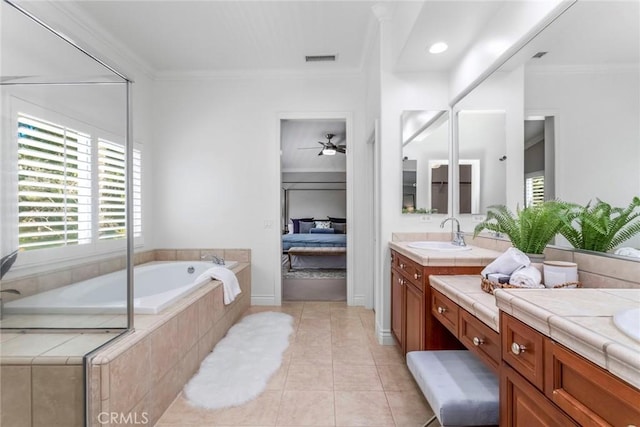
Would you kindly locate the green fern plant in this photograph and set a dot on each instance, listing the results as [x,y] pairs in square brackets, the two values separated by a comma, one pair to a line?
[601,227]
[531,228]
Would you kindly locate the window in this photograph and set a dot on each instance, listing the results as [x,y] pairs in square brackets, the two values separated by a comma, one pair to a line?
[534,190]
[58,174]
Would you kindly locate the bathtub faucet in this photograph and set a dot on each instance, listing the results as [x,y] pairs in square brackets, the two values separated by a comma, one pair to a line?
[458,236]
[213,258]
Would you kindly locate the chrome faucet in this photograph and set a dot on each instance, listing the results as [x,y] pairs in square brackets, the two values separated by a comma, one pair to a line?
[458,236]
[213,258]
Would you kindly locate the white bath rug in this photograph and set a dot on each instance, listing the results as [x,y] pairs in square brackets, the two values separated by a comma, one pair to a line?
[241,364]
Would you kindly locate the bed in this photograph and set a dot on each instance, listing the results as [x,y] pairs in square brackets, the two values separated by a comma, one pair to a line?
[307,240]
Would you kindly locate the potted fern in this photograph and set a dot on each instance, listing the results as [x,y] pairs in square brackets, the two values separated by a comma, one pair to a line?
[600,227]
[530,229]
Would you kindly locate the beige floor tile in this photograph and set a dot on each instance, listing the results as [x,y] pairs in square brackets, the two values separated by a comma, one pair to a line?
[306,377]
[306,408]
[311,354]
[356,378]
[362,408]
[314,324]
[314,338]
[409,408]
[277,381]
[396,378]
[387,355]
[352,354]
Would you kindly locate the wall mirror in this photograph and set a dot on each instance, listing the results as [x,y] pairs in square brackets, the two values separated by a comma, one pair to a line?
[425,162]
[576,134]
[482,155]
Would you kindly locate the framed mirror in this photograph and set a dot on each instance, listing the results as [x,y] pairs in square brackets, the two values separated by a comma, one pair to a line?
[425,160]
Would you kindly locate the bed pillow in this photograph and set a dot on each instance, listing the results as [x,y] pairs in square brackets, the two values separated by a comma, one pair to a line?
[322,231]
[296,223]
[337,220]
[290,228]
[323,224]
[306,226]
[340,228]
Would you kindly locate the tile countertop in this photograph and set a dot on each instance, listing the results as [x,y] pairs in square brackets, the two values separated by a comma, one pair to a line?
[581,320]
[429,257]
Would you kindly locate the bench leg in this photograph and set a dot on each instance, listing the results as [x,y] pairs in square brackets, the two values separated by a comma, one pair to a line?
[430,421]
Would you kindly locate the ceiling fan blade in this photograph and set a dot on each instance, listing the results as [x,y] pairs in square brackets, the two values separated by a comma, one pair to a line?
[320,153]
[341,149]
[322,143]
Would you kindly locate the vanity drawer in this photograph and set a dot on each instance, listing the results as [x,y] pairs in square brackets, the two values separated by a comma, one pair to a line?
[523,349]
[445,310]
[480,339]
[588,393]
[410,270]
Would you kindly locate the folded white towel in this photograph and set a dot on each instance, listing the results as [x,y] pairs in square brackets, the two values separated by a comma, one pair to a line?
[231,287]
[528,277]
[510,261]
[632,252]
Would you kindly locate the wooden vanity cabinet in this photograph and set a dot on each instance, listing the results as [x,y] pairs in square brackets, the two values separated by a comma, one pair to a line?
[412,324]
[542,383]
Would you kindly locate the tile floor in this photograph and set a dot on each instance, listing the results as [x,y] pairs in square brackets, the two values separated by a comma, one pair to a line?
[333,374]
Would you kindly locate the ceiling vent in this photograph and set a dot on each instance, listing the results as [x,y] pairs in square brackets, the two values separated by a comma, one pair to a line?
[539,55]
[320,58]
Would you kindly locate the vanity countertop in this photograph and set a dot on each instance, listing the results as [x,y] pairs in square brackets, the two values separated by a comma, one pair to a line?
[429,257]
[581,320]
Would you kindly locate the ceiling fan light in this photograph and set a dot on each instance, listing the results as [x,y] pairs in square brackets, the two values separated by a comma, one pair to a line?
[329,151]
[438,47]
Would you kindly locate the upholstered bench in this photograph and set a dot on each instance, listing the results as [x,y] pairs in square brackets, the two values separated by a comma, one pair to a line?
[461,390]
[315,251]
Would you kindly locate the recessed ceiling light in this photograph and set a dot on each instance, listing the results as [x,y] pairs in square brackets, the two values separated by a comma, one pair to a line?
[438,47]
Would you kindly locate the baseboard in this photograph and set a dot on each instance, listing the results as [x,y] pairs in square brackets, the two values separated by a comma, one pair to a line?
[263,300]
[360,300]
[385,337]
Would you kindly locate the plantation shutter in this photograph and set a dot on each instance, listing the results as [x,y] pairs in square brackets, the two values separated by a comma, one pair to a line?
[534,190]
[54,184]
[111,190]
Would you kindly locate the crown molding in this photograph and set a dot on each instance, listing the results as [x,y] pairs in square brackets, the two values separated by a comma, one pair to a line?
[99,39]
[288,73]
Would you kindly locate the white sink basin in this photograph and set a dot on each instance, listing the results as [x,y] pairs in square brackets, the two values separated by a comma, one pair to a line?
[438,246]
[628,321]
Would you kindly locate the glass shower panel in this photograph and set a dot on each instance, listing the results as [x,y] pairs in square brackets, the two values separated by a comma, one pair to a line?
[63,156]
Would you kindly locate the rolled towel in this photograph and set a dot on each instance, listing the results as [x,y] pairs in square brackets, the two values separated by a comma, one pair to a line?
[510,261]
[230,286]
[631,252]
[527,277]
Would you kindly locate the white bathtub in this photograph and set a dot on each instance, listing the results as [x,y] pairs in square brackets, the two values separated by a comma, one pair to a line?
[156,286]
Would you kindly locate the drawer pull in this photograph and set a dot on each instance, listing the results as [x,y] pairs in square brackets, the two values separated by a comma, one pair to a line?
[441,310]
[416,276]
[402,266]
[401,281]
[477,341]
[517,348]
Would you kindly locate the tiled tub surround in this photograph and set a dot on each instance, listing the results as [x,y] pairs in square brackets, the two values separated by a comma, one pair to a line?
[51,279]
[41,374]
[142,373]
[580,319]
[594,270]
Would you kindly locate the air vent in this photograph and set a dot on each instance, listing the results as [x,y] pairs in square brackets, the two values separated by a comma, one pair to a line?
[320,58]
[539,55]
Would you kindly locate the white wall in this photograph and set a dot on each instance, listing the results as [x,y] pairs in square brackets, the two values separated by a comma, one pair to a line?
[217,162]
[317,204]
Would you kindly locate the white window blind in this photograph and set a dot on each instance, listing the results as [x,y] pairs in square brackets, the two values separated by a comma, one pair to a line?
[54,184]
[534,190]
[111,190]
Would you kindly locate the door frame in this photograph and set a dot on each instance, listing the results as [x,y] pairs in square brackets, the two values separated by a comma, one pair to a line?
[348,118]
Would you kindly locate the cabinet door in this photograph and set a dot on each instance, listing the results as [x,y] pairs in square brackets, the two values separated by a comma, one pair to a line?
[524,406]
[414,326]
[397,307]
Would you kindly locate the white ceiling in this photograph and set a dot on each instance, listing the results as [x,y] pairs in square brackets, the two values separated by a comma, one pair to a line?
[300,148]
[187,36]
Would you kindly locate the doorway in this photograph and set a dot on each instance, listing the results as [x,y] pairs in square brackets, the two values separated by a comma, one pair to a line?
[314,217]
[539,160]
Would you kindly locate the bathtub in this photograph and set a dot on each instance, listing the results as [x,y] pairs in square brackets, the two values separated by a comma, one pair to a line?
[156,286]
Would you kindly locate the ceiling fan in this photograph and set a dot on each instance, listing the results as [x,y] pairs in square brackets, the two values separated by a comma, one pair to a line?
[328,148]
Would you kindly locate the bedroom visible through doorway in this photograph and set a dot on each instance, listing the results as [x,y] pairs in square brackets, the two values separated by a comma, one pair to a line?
[314,206]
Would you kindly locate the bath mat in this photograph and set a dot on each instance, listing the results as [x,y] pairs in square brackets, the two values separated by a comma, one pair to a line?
[241,364]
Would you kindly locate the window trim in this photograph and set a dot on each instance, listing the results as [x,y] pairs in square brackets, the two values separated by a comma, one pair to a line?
[29,262]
